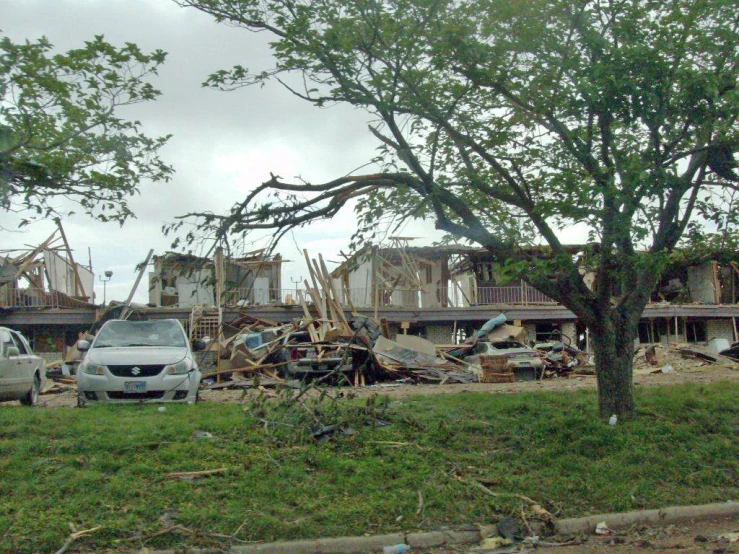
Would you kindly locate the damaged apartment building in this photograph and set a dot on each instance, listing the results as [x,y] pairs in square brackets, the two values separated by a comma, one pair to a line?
[42,286]
[445,292]
[184,280]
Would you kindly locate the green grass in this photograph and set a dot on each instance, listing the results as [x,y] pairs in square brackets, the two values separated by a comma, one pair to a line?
[104,466]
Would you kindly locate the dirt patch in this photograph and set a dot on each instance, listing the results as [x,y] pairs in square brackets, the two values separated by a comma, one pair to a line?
[703,374]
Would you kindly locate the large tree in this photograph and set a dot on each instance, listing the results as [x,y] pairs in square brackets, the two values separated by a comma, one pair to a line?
[61,131]
[505,119]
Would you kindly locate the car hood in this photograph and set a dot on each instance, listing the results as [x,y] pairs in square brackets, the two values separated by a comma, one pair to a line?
[136,355]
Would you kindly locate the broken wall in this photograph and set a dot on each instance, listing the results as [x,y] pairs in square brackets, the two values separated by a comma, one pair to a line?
[62,277]
[700,283]
[434,290]
[360,284]
[466,289]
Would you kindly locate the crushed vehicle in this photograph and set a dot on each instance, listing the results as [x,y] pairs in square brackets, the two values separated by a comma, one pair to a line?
[555,350]
[138,361]
[305,359]
[20,369]
[526,362]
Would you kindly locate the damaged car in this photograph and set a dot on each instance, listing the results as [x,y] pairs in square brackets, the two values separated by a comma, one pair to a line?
[527,364]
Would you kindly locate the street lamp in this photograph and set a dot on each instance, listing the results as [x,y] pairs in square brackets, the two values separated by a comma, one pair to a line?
[108,275]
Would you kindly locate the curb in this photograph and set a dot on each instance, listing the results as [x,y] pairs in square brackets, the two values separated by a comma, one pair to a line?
[673,514]
[435,539]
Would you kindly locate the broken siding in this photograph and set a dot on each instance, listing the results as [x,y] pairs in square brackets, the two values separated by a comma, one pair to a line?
[433,291]
[463,291]
[360,284]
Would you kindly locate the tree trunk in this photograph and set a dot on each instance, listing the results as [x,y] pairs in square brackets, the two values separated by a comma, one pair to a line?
[613,343]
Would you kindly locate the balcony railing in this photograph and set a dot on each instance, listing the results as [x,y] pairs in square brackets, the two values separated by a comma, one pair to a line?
[37,298]
[254,296]
[433,296]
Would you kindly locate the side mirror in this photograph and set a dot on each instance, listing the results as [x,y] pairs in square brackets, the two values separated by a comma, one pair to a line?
[83,345]
[13,351]
[198,345]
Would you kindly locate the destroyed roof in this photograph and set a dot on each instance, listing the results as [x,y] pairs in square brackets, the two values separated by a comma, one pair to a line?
[430,252]
[256,256]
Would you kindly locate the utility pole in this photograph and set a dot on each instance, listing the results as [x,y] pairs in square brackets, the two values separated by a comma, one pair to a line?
[108,275]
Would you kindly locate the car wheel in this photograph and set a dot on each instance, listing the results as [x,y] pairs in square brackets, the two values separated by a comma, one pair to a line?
[31,397]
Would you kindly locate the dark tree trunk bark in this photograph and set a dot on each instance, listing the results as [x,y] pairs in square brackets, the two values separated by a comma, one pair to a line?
[613,342]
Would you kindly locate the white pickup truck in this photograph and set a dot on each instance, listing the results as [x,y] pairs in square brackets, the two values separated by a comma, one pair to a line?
[20,369]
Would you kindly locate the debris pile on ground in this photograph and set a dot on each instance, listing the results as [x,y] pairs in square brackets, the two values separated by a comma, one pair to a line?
[658,358]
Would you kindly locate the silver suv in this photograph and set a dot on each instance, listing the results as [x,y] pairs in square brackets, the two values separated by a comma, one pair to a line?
[138,361]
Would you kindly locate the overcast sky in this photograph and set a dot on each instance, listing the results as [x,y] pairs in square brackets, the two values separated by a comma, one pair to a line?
[223,145]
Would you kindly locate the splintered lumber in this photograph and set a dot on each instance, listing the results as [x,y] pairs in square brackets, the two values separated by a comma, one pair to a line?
[339,307]
[308,319]
[310,270]
[78,288]
[385,327]
[195,474]
[253,369]
[244,317]
[127,304]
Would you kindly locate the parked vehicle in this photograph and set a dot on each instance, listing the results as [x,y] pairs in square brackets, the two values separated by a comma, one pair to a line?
[138,361]
[20,369]
[304,360]
[527,363]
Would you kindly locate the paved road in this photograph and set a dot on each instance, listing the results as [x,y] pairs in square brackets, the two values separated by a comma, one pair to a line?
[691,538]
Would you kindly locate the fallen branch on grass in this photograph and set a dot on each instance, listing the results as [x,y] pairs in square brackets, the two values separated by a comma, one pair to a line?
[534,505]
[171,529]
[195,474]
[74,536]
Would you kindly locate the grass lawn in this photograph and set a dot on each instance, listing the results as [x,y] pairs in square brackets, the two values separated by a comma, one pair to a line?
[104,466]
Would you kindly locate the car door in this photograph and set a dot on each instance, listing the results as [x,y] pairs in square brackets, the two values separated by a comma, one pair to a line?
[12,368]
[29,361]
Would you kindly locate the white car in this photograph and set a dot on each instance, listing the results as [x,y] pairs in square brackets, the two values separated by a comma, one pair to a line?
[138,361]
[20,369]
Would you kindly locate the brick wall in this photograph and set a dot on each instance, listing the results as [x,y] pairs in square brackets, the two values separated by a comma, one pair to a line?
[569,330]
[206,361]
[50,357]
[720,329]
[439,334]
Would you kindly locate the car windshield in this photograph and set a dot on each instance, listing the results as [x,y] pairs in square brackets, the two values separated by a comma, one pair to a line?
[140,333]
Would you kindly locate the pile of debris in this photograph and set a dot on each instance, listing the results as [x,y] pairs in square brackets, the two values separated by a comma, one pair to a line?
[658,358]
[325,345]
[359,356]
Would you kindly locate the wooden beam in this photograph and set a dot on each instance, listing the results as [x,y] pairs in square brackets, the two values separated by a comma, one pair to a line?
[126,310]
[79,290]
[28,260]
[716,284]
